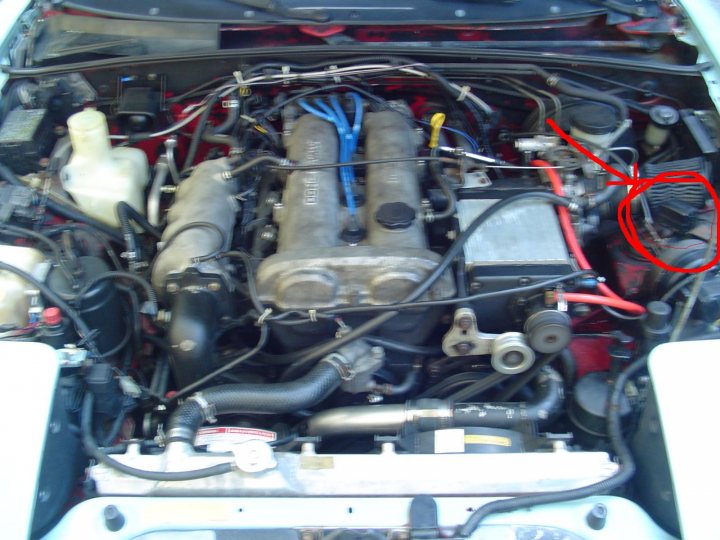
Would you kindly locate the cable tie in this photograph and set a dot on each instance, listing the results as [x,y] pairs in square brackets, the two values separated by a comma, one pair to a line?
[286,72]
[336,77]
[90,336]
[265,315]
[464,91]
[313,315]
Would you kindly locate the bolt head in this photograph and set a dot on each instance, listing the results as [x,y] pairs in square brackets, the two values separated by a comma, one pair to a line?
[172,288]
[465,322]
[463,348]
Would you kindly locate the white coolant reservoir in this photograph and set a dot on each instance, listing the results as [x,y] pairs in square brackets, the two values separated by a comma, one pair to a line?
[99,176]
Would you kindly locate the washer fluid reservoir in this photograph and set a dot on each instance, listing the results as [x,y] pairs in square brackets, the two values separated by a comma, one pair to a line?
[99,176]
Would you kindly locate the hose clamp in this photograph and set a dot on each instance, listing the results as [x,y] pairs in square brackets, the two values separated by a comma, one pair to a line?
[180,433]
[341,364]
[208,409]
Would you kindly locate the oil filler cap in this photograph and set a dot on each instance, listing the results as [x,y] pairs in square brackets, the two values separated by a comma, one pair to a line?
[395,215]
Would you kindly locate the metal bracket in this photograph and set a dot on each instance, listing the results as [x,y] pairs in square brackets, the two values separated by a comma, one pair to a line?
[71,357]
[509,351]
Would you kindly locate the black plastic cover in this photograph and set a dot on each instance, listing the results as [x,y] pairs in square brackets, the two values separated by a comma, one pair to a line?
[26,136]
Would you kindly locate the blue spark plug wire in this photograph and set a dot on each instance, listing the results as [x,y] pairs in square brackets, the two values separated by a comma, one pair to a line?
[348,138]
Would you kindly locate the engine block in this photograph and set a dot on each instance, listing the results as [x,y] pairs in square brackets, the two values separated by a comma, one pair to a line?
[313,267]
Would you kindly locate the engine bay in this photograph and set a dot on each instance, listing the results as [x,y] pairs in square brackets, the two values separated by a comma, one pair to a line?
[357,275]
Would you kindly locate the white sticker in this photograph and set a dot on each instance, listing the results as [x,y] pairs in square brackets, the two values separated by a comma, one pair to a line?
[222,439]
[450,441]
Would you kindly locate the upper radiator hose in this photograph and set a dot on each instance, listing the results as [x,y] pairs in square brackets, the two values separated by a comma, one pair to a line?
[277,398]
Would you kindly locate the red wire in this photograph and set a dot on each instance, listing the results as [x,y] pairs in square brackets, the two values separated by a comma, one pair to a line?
[572,242]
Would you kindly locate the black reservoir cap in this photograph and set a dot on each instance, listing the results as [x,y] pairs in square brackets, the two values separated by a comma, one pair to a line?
[395,215]
[594,118]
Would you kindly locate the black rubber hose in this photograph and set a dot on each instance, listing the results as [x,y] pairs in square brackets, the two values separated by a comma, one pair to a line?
[64,210]
[93,451]
[547,402]
[520,380]
[310,355]
[217,138]
[569,367]
[443,183]
[231,119]
[276,398]
[606,194]
[566,87]
[622,452]
[127,213]
[399,346]
[200,130]
[254,162]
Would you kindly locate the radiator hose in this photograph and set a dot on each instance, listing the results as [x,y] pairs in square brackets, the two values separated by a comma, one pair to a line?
[277,398]
[432,414]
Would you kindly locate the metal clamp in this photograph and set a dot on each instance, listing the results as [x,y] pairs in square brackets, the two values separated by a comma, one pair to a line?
[341,364]
[208,409]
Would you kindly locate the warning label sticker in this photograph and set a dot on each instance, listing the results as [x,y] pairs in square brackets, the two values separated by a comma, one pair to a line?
[220,439]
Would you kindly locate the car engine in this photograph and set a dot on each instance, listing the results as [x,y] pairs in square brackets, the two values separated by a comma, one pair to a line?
[355,276]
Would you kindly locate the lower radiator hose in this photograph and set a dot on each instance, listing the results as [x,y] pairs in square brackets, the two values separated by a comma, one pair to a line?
[432,414]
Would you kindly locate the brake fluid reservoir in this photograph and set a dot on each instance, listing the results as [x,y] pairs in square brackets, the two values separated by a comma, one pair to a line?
[594,122]
[99,176]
